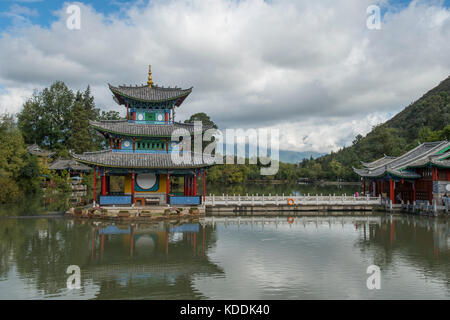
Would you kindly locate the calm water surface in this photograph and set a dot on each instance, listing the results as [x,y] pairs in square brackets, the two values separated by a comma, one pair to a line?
[313,258]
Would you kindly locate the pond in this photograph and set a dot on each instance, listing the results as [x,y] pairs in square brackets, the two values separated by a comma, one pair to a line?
[311,258]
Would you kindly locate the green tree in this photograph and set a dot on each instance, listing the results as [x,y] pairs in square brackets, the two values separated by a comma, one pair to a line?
[45,118]
[204,118]
[80,139]
[110,115]
[19,172]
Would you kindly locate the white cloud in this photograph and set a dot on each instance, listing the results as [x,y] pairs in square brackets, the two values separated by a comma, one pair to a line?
[12,99]
[252,63]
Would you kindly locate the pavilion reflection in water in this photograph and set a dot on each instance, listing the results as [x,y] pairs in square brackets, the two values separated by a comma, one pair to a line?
[136,256]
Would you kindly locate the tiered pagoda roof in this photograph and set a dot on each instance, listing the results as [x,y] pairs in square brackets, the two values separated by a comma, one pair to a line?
[145,93]
[123,127]
[429,153]
[163,160]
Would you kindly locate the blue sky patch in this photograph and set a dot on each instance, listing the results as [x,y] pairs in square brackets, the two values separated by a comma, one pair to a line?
[41,12]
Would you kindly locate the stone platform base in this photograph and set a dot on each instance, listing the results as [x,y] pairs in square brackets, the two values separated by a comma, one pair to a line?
[149,213]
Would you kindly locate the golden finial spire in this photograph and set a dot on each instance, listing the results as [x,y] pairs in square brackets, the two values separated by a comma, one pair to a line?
[150,81]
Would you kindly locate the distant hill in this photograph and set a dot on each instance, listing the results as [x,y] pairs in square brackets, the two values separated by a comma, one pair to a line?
[286,156]
[426,119]
[431,110]
[296,157]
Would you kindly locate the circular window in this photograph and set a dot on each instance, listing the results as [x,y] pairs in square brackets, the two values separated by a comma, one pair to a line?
[447,187]
[160,117]
[146,180]
[140,117]
[126,144]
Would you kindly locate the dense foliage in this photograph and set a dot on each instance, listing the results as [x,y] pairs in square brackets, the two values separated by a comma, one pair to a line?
[19,171]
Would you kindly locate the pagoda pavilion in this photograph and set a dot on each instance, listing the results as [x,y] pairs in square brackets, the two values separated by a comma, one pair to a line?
[422,174]
[140,148]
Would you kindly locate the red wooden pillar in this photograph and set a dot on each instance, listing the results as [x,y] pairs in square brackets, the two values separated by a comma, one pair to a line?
[381,186]
[103,191]
[167,187]
[188,190]
[166,116]
[127,113]
[184,185]
[134,145]
[95,178]
[204,185]
[448,174]
[391,190]
[188,186]
[195,184]
[110,140]
[132,187]
[435,178]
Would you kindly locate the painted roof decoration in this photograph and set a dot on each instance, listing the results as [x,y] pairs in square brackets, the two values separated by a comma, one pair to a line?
[69,165]
[150,81]
[123,127]
[108,158]
[426,154]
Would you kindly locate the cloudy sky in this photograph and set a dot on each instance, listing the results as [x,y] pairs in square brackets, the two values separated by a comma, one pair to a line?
[311,68]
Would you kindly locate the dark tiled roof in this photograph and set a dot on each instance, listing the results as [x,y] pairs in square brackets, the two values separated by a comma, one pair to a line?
[439,160]
[419,156]
[382,161]
[126,128]
[37,151]
[154,93]
[163,160]
[382,172]
[68,164]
